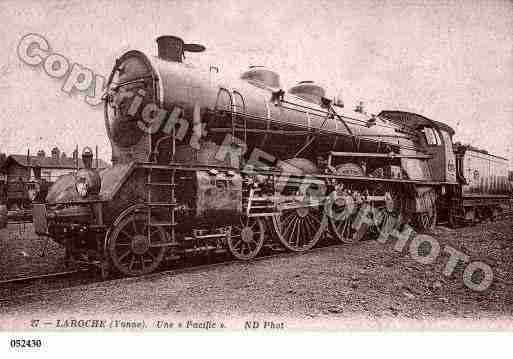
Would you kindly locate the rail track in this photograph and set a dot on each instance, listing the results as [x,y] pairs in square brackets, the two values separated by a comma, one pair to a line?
[42,276]
[29,286]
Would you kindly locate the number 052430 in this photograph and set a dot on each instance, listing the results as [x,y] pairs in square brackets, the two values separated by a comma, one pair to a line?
[25,343]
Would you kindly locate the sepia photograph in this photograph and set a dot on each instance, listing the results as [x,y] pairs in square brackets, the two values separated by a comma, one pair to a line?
[191,166]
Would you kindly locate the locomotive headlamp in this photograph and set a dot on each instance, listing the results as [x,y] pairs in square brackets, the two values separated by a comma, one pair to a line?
[82,187]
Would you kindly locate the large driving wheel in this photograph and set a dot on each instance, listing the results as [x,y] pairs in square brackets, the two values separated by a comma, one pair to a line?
[300,229]
[247,238]
[342,214]
[131,250]
[385,217]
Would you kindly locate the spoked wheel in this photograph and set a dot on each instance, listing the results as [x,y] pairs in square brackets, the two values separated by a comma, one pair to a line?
[300,229]
[247,238]
[130,249]
[342,213]
[403,204]
[385,217]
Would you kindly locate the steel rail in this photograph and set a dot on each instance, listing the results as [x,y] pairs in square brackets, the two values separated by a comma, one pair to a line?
[171,272]
[41,276]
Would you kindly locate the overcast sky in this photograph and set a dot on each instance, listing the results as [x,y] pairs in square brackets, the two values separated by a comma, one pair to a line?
[451,61]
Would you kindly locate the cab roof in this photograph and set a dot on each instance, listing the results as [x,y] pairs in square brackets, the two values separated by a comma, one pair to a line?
[414,120]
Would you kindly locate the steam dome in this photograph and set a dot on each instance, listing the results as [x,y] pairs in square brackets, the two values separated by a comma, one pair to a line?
[262,77]
[308,91]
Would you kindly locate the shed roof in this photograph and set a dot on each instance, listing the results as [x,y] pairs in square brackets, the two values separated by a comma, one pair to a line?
[49,162]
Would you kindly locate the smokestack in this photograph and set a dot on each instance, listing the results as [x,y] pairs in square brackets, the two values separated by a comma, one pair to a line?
[172,48]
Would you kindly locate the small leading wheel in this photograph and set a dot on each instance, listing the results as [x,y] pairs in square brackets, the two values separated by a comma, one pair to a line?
[299,229]
[246,238]
[342,213]
[131,250]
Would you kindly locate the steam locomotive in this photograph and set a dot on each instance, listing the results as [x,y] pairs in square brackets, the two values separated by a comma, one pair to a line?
[202,165]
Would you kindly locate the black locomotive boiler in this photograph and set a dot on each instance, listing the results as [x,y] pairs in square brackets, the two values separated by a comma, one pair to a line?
[204,165]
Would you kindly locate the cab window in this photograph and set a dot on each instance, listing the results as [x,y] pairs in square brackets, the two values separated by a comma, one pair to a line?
[431,136]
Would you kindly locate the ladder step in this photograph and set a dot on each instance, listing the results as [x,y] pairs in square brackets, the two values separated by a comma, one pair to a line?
[258,205]
[163,224]
[165,184]
[256,200]
[268,214]
[161,204]
[270,198]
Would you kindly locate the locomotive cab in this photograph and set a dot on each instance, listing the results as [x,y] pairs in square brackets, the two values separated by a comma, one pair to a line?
[435,139]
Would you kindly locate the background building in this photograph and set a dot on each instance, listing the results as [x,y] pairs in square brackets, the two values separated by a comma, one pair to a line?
[17,170]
